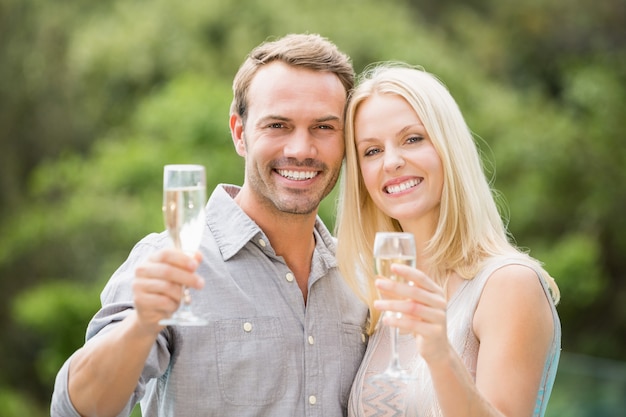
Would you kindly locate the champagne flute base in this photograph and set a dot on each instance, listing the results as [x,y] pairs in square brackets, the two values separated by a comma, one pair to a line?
[392,375]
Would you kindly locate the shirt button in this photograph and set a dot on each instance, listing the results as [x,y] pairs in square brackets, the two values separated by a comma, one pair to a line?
[262,243]
[312,400]
[311,340]
[289,277]
[247,327]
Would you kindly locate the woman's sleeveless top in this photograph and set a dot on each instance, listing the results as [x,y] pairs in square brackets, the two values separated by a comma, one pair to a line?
[380,400]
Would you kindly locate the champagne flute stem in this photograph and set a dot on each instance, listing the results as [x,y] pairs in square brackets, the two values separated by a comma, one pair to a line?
[395,356]
[185,300]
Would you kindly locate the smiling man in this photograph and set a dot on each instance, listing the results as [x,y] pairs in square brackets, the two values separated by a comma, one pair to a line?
[285,334]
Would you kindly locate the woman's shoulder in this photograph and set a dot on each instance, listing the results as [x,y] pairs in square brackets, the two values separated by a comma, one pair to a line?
[513,277]
[515,295]
[514,280]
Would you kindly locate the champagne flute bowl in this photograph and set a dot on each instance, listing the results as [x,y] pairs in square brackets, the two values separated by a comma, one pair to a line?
[184,196]
[393,248]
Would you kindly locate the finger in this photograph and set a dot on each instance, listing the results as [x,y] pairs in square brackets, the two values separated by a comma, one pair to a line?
[198,257]
[169,273]
[152,308]
[415,276]
[431,332]
[388,290]
[158,305]
[395,290]
[417,319]
[156,299]
[146,286]
[177,258]
[157,268]
[412,310]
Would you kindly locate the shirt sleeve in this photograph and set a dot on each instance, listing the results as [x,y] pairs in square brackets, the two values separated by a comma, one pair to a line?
[117,303]
[61,406]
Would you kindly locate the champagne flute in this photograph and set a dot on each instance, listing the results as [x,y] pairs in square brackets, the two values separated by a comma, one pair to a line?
[184,196]
[393,248]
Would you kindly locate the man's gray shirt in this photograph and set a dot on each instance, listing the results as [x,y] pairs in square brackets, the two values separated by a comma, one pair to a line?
[264,352]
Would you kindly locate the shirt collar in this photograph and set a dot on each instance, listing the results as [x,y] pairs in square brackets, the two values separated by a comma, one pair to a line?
[232,228]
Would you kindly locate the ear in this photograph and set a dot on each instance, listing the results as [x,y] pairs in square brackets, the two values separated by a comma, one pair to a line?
[236,131]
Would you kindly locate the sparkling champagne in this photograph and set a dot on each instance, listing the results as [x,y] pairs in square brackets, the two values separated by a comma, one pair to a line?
[183,211]
[383,265]
[393,248]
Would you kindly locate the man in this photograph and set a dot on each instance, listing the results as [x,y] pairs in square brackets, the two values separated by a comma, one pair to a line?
[285,334]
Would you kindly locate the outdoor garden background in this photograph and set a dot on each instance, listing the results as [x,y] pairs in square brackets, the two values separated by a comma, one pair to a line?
[95,97]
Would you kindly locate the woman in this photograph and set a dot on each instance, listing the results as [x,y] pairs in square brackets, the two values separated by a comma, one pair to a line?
[479,329]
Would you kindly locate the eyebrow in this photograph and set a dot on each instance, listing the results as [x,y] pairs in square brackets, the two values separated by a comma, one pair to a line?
[329,118]
[410,127]
[401,132]
[363,142]
[270,117]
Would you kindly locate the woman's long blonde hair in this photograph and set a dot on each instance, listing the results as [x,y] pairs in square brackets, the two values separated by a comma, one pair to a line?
[470,229]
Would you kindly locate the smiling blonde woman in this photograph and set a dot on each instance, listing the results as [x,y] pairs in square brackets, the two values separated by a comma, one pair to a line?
[481,334]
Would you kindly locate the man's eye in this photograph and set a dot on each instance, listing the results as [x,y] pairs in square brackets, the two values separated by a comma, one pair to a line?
[276,125]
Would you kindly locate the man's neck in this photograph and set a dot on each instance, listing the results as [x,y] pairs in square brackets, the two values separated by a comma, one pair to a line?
[291,236]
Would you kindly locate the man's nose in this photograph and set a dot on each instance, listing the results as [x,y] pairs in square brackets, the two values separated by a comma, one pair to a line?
[300,145]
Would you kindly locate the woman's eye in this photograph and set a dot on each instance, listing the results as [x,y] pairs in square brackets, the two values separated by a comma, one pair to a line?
[371,151]
[415,139]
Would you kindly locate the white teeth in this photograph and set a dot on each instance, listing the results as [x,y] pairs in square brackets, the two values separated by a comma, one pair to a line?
[297,175]
[392,189]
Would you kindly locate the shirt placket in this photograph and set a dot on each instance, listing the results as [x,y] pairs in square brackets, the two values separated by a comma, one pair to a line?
[312,369]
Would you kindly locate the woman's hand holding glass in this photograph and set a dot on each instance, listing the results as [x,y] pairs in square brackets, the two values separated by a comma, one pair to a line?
[393,248]
[419,305]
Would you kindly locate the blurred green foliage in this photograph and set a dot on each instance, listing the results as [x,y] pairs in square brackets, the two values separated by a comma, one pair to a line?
[96,97]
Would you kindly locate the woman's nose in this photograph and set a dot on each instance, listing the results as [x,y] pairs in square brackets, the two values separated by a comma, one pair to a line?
[393,159]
